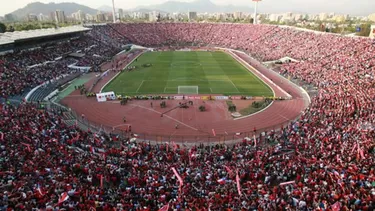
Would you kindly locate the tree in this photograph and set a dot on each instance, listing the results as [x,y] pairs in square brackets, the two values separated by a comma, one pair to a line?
[365,30]
[2,28]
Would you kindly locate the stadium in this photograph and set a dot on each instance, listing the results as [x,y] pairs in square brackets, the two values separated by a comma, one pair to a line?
[186,116]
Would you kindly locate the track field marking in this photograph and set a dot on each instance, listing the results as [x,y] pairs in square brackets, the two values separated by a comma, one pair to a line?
[113,127]
[140,86]
[169,117]
[284,117]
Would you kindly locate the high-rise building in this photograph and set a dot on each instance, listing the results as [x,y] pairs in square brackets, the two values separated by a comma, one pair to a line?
[298,17]
[42,17]
[31,17]
[371,17]
[237,15]
[193,16]
[274,17]
[108,17]
[60,16]
[339,18]
[79,16]
[100,17]
[89,17]
[323,16]
[153,16]
[9,17]
[120,14]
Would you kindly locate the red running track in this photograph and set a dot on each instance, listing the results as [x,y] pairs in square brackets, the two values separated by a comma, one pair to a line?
[192,124]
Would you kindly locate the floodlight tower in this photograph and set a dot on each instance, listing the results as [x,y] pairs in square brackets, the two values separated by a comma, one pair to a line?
[255,21]
[113,11]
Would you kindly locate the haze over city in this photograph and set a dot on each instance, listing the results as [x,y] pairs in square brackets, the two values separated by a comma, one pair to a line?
[359,7]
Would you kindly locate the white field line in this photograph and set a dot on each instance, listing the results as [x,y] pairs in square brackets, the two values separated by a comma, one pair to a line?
[243,117]
[260,74]
[234,85]
[164,115]
[101,90]
[238,91]
[249,68]
[139,86]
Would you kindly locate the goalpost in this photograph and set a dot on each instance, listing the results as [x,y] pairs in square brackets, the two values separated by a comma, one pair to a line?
[188,90]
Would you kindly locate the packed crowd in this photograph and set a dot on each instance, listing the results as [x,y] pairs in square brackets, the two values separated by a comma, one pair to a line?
[22,70]
[323,161]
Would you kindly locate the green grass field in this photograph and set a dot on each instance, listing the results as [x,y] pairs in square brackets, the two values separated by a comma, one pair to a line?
[211,72]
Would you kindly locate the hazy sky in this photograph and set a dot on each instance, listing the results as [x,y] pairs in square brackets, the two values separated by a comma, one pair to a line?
[357,7]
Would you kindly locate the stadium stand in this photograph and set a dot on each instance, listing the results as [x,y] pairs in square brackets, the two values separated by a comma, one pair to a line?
[23,70]
[322,161]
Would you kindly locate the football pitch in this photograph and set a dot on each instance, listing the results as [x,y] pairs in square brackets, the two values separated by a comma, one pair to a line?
[188,72]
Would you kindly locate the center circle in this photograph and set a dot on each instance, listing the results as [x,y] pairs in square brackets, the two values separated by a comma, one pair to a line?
[185,64]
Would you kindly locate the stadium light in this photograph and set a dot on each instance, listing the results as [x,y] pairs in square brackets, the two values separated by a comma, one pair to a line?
[255,21]
[113,11]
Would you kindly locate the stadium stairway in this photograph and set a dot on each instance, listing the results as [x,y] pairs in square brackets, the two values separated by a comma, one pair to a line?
[80,125]
[127,40]
[43,91]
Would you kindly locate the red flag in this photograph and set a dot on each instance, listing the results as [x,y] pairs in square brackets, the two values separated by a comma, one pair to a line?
[361,153]
[336,206]
[238,184]
[190,155]
[103,156]
[355,145]
[287,183]
[39,190]
[178,177]
[213,132]
[77,137]
[228,169]
[164,208]
[255,141]
[27,138]
[101,181]
[27,145]
[64,197]
[92,150]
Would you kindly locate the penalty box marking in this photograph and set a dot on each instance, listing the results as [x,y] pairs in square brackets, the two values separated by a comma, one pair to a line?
[140,85]
[176,87]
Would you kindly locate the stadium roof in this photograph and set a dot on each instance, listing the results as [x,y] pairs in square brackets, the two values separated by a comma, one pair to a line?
[11,37]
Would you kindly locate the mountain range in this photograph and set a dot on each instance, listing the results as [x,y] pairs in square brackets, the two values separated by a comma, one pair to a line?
[200,6]
[169,7]
[46,9]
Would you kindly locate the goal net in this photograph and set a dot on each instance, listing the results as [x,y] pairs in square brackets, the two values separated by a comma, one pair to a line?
[187,89]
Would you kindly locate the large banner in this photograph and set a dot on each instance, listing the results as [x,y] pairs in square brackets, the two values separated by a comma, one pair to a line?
[221,97]
[102,97]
